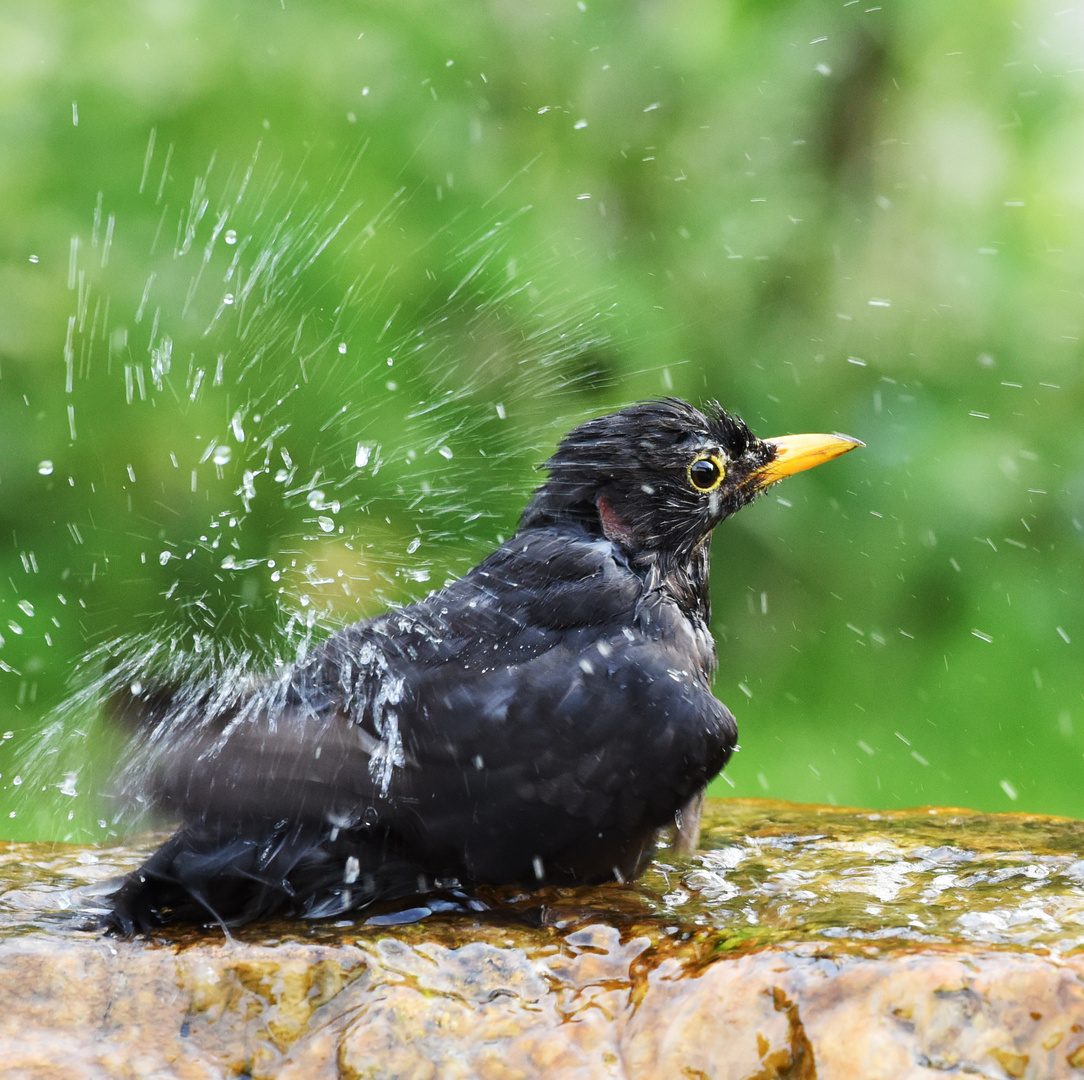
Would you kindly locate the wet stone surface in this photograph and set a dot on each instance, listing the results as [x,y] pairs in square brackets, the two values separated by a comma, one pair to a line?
[800,941]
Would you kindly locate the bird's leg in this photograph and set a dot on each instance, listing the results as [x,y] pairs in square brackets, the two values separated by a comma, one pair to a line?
[687,825]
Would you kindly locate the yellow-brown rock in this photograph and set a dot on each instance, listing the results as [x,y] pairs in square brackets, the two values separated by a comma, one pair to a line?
[800,942]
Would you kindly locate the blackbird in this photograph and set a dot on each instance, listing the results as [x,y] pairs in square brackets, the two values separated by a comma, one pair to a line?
[535,722]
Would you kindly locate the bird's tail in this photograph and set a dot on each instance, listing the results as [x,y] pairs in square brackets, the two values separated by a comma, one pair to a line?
[293,870]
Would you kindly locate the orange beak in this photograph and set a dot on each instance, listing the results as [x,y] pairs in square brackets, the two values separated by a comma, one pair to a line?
[795,453]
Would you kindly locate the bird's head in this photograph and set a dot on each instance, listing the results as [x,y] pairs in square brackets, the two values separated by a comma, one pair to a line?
[657,477]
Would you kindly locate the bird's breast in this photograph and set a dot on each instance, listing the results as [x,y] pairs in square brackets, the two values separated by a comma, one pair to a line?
[659,618]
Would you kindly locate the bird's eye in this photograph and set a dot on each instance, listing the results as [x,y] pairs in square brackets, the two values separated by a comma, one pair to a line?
[706,473]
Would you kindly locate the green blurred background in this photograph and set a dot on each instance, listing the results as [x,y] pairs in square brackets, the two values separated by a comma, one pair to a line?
[294,296]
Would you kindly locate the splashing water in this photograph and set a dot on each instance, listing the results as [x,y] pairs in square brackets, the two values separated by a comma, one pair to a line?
[298,487]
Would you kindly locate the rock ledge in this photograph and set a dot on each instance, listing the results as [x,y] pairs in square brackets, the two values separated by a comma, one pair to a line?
[800,942]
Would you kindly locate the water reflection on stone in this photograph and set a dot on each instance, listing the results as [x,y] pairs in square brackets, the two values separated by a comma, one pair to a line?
[767,872]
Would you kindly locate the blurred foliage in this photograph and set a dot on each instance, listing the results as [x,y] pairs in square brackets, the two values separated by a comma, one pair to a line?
[294,296]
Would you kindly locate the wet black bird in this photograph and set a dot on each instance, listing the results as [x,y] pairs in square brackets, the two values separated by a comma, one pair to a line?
[537,721]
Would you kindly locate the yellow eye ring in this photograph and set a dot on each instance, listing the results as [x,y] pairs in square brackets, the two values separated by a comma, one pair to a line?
[706,473]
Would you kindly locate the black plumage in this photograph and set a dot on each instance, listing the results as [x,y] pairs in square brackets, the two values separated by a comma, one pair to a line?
[537,721]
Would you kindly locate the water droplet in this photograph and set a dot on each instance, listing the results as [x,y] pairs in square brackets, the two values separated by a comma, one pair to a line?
[325,523]
[228,299]
[26,608]
[316,499]
[413,546]
[45,467]
[342,348]
[231,236]
[231,562]
[222,455]
[15,628]
[362,455]
[238,430]
[164,557]
[445,452]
